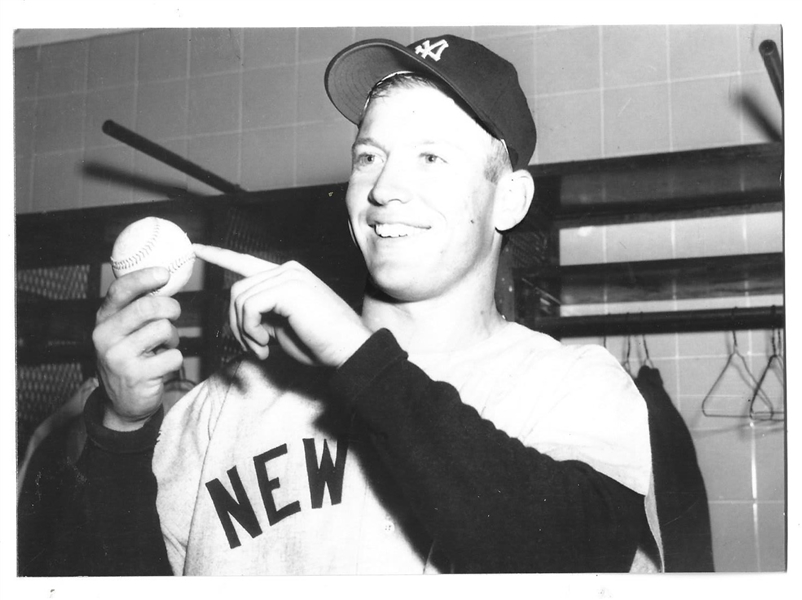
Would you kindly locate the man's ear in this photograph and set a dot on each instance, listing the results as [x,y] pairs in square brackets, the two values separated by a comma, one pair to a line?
[514,195]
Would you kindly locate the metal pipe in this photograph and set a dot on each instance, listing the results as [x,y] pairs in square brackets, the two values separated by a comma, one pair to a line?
[773,62]
[162,154]
[769,317]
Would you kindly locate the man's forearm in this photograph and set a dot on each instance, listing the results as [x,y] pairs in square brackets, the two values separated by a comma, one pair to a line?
[490,503]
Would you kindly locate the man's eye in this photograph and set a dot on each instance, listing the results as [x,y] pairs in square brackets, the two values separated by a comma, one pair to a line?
[365,158]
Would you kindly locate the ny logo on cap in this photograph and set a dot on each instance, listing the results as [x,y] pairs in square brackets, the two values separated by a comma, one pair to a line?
[427,49]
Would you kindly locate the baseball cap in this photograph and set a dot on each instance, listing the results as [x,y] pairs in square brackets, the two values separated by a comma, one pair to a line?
[481,79]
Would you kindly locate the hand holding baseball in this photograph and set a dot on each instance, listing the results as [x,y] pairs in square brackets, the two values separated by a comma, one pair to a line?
[289,303]
[136,345]
[134,336]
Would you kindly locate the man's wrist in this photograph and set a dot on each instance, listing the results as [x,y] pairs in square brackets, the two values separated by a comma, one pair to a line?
[109,434]
[354,343]
[111,419]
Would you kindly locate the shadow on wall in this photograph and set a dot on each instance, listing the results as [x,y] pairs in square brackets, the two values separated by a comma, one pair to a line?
[747,102]
[125,179]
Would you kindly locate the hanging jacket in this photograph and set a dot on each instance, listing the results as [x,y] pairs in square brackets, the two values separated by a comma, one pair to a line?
[682,507]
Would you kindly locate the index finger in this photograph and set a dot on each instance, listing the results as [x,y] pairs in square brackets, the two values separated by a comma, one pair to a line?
[242,264]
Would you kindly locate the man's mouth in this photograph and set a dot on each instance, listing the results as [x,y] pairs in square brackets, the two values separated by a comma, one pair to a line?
[396,230]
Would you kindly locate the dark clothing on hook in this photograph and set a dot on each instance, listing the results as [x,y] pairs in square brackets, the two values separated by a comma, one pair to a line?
[679,487]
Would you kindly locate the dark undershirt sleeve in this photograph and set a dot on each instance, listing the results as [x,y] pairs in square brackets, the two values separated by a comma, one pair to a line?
[95,513]
[490,503]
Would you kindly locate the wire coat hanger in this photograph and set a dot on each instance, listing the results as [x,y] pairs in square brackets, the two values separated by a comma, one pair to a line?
[625,364]
[734,353]
[648,361]
[776,359]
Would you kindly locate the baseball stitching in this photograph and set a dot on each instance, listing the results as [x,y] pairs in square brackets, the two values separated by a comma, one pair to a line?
[132,260]
[180,262]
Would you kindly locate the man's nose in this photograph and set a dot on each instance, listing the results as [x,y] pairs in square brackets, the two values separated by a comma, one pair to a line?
[391,185]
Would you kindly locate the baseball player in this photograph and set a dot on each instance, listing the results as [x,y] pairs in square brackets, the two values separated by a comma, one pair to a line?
[426,434]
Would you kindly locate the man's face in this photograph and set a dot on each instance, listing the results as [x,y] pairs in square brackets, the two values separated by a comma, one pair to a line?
[420,206]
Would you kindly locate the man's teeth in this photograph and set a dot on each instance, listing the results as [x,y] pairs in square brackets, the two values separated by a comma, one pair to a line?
[393,230]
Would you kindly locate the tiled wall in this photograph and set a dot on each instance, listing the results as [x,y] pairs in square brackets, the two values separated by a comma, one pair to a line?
[677,88]
[249,105]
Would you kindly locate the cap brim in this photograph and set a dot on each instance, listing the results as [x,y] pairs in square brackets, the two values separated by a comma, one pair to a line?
[353,72]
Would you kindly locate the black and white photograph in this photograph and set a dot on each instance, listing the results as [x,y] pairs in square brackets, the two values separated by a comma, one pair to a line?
[394,299]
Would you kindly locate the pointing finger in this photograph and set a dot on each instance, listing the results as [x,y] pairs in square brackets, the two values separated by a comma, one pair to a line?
[242,264]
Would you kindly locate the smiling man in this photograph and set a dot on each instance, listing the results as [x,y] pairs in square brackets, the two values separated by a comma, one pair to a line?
[426,434]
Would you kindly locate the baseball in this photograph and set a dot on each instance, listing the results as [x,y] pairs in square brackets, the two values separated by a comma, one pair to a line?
[154,242]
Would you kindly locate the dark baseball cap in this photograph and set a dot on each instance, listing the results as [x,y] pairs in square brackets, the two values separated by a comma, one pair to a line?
[484,81]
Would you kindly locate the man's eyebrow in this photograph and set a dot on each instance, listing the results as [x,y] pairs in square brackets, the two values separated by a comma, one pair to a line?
[365,140]
[369,141]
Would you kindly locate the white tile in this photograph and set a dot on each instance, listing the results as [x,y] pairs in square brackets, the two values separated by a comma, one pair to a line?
[764,232]
[712,236]
[639,241]
[582,245]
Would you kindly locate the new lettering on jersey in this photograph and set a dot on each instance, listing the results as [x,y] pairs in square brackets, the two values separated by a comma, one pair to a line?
[427,49]
[321,474]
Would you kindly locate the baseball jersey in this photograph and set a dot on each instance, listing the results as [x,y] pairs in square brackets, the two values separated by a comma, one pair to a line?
[261,470]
